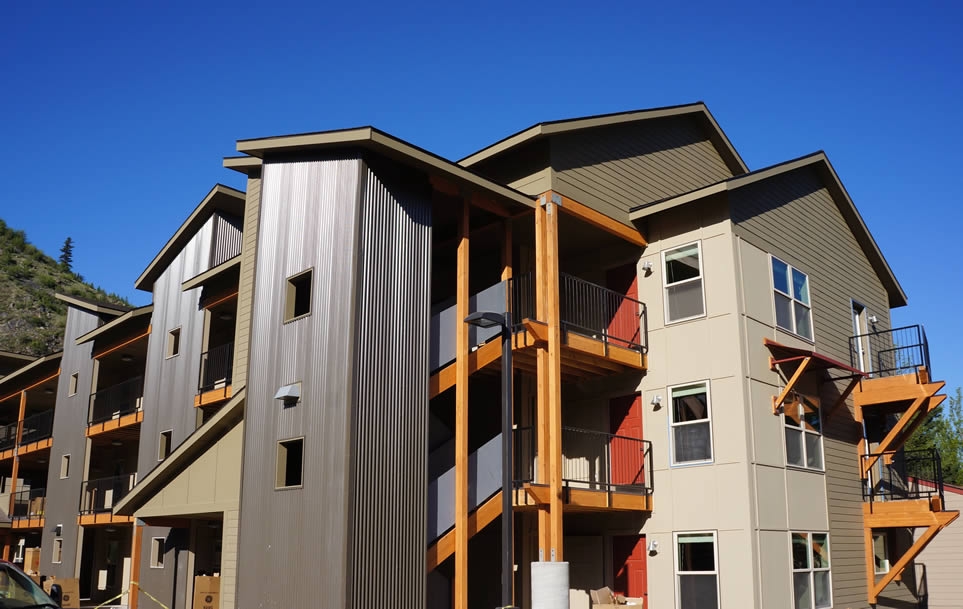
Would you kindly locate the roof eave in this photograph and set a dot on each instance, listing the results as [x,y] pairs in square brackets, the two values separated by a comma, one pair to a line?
[40,361]
[114,323]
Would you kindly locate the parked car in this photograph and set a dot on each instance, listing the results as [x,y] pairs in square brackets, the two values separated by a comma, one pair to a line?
[18,591]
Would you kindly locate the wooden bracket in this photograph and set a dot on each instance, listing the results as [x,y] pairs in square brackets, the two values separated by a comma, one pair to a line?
[842,397]
[777,401]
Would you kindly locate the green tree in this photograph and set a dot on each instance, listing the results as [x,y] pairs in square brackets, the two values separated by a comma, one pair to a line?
[943,430]
[67,254]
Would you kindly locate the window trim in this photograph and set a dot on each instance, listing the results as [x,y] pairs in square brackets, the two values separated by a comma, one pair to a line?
[53,553]
[812,569]
[65,460]
[73,384]
[277,455]
[792,300]
[289,296]
[673,425]
[157,562]
[170,442]
[665,285]
[168,347]
[678,572]
[804,431]
[885,537]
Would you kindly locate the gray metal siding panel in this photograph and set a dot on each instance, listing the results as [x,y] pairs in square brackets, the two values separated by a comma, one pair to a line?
[70,423]
[226,241]
[170,384]
[308,219]
[794,218]
[390,434]
[614,169]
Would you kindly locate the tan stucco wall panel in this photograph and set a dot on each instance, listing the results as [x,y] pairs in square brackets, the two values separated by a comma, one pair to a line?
[776,586]
[771,497]
[768,438]
[806,492]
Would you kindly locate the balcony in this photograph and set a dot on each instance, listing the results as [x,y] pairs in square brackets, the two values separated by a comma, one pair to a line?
[37,430]
[599,470]
[214,378]
[97,499]
[906,475]
[115,407]
[8,438]
[891,352]
[28,509]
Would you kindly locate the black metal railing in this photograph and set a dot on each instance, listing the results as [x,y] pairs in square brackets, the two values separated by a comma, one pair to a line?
[904,474]
[102,494]
[591,459]
[37,427]
[8,436]
[891,352]
[602,313]
[216,367]
[521,296]
[118,400]
[29,503]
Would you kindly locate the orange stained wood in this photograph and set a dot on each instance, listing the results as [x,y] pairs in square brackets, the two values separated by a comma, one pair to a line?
[908,422]
[445,378]
[461,410]
[583,499]
[16,459]
[28,523]
[591,346]
[554,369]
[600,220]
[108,350]
[28,388]
[127,420]
[777,401]
[135,552]
[216,300]
[7,454]
[35,447]
[212,397]
[444,547]
[103,518]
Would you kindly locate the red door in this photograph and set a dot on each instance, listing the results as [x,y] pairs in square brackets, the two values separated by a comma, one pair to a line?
[626,449]
[623,323]
[628,561]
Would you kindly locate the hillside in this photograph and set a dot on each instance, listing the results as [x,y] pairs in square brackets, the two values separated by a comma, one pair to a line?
[31,319]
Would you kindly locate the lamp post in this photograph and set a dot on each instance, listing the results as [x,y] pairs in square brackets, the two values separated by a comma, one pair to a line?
[486,319]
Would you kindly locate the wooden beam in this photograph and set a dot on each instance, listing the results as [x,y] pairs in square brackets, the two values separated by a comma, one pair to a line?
[125,421]
[591,346]
[554,406]
[778,400]
[896,570]
[16,458]
[444,547]
[889,444]
[480,358]
[461,412]
[541,399]
[135,552]
[489,205]
[213,301]
[600,220]
[112,348]
[33,386]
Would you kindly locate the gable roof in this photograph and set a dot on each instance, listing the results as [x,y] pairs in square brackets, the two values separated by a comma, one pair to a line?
[220,198]
[540,130]
[94,306]
[820,162]
[29,372]
[119,322]
[370,138]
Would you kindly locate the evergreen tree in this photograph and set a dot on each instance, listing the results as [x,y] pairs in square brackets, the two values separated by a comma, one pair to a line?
[67,254]
[943,430]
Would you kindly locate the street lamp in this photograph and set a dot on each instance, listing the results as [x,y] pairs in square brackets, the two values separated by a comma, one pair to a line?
[487,319]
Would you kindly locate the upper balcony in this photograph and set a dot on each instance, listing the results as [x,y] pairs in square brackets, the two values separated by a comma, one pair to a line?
[217,361]
[116,407]
[28,508]
[98,497]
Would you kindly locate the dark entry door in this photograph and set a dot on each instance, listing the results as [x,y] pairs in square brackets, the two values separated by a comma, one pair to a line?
[628,560]
[628,458]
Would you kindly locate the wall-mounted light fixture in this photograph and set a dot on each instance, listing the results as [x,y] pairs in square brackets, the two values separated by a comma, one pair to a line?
[127,358]
[656,402]
[647,267]
[653,547]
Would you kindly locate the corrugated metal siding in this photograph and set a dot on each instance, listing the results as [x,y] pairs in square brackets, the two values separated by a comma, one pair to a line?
[794,218]
[226,240]
[614,169]
[70,423]
[942,558]
[170,385]
[245,289]
[308,219]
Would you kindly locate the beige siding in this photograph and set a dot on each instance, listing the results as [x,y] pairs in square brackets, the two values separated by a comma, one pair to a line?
[614,169]
[229,559]
[942,559]
[245,294]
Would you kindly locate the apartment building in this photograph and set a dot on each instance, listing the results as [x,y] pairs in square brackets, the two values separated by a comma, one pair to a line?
[709,400]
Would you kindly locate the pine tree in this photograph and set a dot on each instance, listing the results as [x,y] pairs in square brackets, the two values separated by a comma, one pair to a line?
[943,430]
[67,254]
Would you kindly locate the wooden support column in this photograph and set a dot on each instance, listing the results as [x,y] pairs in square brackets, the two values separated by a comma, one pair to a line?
[6,547]
[135,552]
[554,406]
[870,562]
[461,413]
[16,457]
[507,251]
[541,395]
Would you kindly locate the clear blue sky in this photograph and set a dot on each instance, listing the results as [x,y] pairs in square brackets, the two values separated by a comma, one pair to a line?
[116,115]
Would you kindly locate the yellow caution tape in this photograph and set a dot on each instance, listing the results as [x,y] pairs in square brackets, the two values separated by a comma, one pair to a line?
[146,593]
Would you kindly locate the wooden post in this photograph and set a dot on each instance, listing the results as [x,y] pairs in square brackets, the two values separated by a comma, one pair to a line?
[135,552]
[16,448]
[554,406]
[541,394]
[461,413]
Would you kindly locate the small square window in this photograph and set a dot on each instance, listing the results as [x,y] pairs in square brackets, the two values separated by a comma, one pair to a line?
[164,445]
[173,342]
[290,463]
[58,551]
[298,297]
[157,553]
[64,467]
[74,380]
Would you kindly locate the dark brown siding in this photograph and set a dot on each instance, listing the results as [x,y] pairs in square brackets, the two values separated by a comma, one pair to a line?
[614,169]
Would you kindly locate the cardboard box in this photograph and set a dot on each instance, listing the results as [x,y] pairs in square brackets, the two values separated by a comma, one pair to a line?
[31,560]
[70,590]
[207,592]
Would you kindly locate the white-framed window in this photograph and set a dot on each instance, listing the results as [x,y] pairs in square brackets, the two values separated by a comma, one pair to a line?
[881,552]
[790,288]
[697,570]
[682,282]
[157,553]
[690,420]
[804,434]
[811,578]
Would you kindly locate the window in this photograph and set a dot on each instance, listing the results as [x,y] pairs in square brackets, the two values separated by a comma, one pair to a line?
[691,424]
[64,467]
[164,445]
[157,553]
[880,553]
[697,574]
[684,298]
[58,551]
[804,439]
[74,380]
[791,293]
[811,580]
[290,463]
[173,342]
[298,298]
